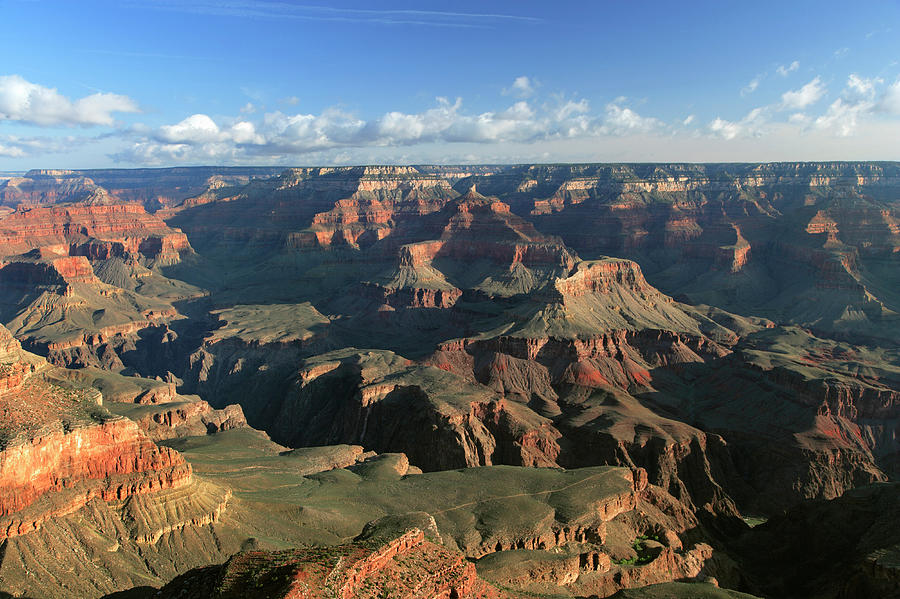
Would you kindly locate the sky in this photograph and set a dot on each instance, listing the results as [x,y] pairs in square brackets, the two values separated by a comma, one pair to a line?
[132,83]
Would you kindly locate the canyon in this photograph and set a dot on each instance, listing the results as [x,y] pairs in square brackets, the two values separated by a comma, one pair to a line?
[584,380]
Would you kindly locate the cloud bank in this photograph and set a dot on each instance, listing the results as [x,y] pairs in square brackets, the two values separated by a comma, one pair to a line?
[201,137]
[27,102]
[531,126]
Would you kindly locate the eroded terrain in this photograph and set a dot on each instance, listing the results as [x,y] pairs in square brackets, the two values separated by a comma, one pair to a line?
[547,380]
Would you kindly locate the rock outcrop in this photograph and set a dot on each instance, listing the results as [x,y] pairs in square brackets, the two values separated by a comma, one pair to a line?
[93,231]
[58,472]
[61,449]
[77,281]
[185,418]
[406,567]
[313,207]
[383,402]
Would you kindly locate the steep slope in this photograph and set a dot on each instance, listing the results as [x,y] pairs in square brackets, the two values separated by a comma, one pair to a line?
[61,449]
[809,243]
[89,503]
[478,243]
[846,548]
[94,231]
[602,520]
[586,361]
[802,415]
[408,566]
[313,207]
[79,281]
[51,187]
[577,351]
[382,401]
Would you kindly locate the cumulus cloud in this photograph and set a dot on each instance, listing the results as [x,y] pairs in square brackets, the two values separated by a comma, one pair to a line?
[842,117]
[750,126]
[857,102]
[23,101]
[197,128]
[199,137]
[784,71]
[522,87]
[447,129]
[807,95]
[861,85]
[623,120]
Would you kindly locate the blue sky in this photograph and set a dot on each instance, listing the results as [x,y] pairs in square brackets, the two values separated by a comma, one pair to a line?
[164,82]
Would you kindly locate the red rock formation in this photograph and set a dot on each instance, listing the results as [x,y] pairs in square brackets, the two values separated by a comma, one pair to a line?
[570,379]
[406,567]
[602,277]
[50,187]
[59,449]
[614,358]
[189,418]
[75,269]
[92,231]
[472,229]
[373,399]
[13,370]
[412,297]
[314,207]
[112,460]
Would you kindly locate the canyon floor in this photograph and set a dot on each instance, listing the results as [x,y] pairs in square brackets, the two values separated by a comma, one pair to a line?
[666,380]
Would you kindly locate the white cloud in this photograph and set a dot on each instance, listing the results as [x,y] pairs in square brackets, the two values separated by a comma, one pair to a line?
[861,85]
[842,117]
[620,121]
[13,146]
[784,71]
[197,128]
[858,103]
[890,102]
[8,150]
[446,129]
[807,95]
[522,87]
[750,126]
[571,108]
[751,87]
[199,137]
[27,102]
